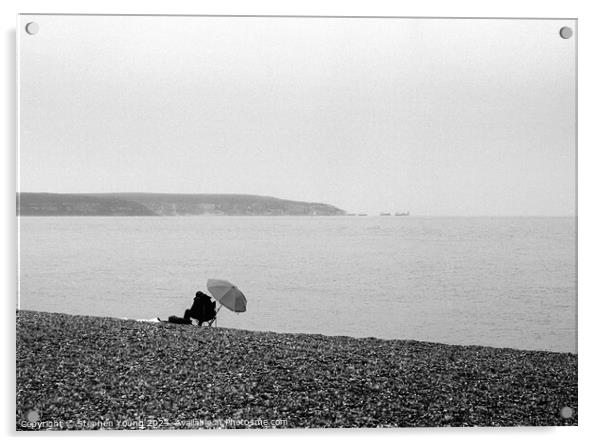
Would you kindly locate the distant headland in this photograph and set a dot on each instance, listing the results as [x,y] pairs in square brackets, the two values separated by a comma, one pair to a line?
[164,204]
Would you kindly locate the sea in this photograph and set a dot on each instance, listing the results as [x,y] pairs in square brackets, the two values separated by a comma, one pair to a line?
[503,281]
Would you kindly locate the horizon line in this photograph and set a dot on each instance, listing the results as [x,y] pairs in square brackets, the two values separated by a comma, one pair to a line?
[358,213]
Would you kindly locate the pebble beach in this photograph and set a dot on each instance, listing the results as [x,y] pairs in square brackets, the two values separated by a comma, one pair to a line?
[78,373]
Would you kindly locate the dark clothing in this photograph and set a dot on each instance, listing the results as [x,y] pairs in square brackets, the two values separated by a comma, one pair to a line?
[178,320]
[203,309]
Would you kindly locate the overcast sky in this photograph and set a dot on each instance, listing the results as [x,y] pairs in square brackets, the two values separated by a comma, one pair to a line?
[439,117]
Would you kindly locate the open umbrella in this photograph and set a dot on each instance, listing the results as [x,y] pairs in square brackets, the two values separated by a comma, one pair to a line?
[227,294]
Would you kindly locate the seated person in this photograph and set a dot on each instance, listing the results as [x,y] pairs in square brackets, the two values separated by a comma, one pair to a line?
[203,309]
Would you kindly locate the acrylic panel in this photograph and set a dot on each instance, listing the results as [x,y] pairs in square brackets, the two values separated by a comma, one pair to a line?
[286,222]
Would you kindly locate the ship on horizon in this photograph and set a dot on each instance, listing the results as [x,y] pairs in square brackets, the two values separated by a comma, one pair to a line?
[406,213]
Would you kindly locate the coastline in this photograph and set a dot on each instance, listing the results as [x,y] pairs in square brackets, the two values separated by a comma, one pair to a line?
[80,372]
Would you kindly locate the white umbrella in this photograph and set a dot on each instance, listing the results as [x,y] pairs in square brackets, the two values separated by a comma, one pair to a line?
[227,294]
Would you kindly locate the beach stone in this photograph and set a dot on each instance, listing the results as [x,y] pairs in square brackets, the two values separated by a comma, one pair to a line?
[71,367]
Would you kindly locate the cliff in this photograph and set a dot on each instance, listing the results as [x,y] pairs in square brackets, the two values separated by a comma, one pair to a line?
[163,204]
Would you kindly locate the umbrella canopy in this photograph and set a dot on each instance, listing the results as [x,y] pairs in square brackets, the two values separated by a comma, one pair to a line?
[227,294]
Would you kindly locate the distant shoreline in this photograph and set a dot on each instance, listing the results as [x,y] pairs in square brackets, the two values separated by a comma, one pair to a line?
[97,368]
[165,204]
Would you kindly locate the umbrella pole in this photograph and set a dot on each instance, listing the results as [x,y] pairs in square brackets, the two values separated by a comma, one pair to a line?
[220,306]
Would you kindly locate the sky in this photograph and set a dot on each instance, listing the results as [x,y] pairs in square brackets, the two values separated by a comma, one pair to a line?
[432,116]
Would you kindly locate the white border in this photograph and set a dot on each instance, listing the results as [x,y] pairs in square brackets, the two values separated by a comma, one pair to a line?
[590,221]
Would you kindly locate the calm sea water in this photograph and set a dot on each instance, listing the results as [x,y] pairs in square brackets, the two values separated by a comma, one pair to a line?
[490,281]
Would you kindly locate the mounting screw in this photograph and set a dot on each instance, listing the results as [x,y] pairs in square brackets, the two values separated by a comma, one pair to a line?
[566,32]
[32,28]
[566,412]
